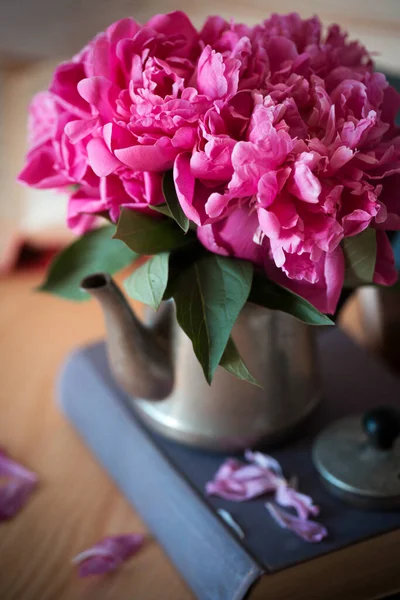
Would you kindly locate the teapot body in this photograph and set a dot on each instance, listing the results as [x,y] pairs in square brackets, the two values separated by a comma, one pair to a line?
[231,414]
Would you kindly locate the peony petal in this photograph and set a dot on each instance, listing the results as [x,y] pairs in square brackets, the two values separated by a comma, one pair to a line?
[286,495]
[173,23]
[39,171]
[385,270]
[280,50]
[185,184]
[159,157]
[325,292]
[108,554]
[16,486]
[238,482]
[305,185]
[64,88]
[101,94]
[239,491]
[10,468]
[334,277]
[100,158]
[221,237]
[216,204]
[124,28]
[310,531]
[264,460]
[77,130]
[210,74]
[207,236]
[339,158]
[269,223]
[13,496]
[267,189]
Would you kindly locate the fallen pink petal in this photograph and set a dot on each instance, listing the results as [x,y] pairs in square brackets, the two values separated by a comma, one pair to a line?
[238,482]
[310,531]
[288,496]
[16,486]
[108,554]
[264,460]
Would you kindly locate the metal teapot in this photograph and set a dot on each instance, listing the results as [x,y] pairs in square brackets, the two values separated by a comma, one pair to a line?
[155,365]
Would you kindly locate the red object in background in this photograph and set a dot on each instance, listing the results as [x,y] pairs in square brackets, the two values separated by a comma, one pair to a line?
[19,254]
[34,258]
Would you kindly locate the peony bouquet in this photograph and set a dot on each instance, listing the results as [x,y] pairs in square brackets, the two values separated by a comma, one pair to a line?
[245,163]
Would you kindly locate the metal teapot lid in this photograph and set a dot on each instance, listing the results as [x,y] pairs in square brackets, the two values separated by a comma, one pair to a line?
[358,459]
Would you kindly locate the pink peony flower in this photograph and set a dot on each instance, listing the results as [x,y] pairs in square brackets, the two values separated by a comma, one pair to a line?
[52,162]
[315,162]
[281,139]
[120,112]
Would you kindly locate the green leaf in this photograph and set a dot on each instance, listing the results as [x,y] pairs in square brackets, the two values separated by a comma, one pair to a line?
[147,283]
[163,209]
[95,251]
[232,362]
[172,201]
[265,292]
[180,260]
[146,235]
[209,296]
[360,256]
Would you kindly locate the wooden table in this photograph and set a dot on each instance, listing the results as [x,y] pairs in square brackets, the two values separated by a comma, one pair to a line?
[77,504]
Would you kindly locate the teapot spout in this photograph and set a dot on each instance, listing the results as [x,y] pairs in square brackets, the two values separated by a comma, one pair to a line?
[139,356]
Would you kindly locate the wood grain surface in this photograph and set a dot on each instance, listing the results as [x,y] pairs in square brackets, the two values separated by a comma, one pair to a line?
[76,503]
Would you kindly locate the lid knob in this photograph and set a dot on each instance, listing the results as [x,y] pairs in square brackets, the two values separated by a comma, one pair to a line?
[382,426]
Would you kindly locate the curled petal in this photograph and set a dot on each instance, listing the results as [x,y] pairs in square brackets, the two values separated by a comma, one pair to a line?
[185,183]
[267,189]
[221,237]
[39,171]
[238,491]
[238,482]
[305,186]
[157,157]
[101,94]
[16,486]
[11,468]
[216,77]
[13,496]
[264,460]
[78,130]
[100,158]
[309,531]
[286,495]
[108,554]
[385,270]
